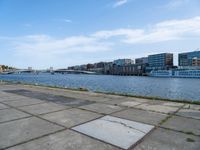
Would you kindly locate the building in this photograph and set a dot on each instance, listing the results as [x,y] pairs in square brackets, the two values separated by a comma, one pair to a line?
[132,69]
[142,60]
[30,68]
[108,67]
[195,61]
[123,62]
[1,68]
[163,61]
[189,58]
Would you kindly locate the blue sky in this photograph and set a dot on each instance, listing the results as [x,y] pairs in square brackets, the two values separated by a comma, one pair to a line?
[60,33]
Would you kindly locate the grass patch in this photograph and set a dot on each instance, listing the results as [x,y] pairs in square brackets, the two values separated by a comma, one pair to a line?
[164,120]
[188,132]
[151,97]
[190,140]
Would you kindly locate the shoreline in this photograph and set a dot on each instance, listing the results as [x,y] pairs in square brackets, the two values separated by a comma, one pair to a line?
[101,92]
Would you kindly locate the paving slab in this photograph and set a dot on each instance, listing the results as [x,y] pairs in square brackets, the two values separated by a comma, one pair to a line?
[2,106]
[158,108]
[65,140]
[130,103]
[148,117]
[18,131]
[8,98]
[102,108]
[71,117]
[174,104]
[11,114]
[120,132]
[23,102]
[59,99]
[192,106]
[115,101]
[186,125]
[162,139]
[43,108]
[189,113]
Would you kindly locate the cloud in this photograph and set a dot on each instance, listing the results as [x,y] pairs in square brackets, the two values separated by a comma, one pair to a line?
[119,3]
[67,20]
[46,45]
[63,20]
[177,3]
[45,49]
[160,32]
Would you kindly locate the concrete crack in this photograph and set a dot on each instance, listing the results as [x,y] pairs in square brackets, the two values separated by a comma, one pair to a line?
[118,122]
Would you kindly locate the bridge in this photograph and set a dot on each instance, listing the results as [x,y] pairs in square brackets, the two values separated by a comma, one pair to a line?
[62,71]
[73,71]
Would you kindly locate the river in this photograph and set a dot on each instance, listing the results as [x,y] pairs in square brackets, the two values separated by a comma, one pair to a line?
[171,88]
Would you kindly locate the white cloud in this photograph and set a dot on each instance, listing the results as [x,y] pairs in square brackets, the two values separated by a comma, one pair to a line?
[67,20]
[119,3]
[177,3]
[163,31]
[46,45]
[46,50]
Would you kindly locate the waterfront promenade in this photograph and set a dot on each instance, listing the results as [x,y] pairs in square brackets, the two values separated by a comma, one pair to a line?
[42,118]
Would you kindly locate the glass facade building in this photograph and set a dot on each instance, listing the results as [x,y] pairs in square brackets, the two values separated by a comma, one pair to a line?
[160,61]
[187,59]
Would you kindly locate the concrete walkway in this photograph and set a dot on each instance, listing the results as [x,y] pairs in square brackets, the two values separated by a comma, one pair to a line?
[40,118]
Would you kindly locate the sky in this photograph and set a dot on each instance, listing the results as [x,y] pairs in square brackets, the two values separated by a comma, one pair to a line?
[62,33]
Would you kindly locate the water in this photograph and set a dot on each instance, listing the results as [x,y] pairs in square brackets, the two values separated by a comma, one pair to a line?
[172,88]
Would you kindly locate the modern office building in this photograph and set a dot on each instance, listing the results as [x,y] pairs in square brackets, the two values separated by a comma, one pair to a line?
[142,60]
[195,61]
[122,62]
[189,58]
[161,61]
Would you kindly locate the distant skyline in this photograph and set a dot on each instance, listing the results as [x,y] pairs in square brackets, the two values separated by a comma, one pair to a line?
[44,33]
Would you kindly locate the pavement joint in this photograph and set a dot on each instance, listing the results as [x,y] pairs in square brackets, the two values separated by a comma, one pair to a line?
[38,116]
[61,130]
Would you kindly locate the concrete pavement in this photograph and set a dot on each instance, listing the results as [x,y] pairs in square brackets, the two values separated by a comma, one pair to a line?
[41,118]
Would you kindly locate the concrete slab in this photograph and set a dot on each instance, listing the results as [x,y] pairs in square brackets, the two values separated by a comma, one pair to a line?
[23,102]
[174,104]
[43,108]
[71,117]
[2,106]
[148,117]
[186,125]
[12,98]
[162,139]
[69,101]
[115,101]
[65,140]
[192,106]
[102,108]
[11,114]
[120,132]
[130,103]
[189,113]
[155,102]
[18,131]
[158,108]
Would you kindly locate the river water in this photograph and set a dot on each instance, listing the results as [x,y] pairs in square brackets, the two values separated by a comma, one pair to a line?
[172,88]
